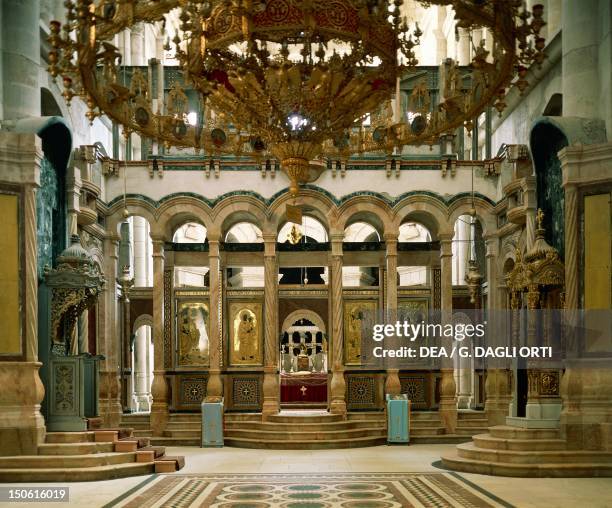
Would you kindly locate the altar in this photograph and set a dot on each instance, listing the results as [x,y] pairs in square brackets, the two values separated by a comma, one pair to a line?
[308,387]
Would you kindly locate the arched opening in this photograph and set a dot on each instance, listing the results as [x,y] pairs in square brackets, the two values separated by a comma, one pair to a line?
[190,276]
[51,233]
[136,249]
[413,275]
[303,360]
[142,361]
[467,244]
[359,235]
[546,141]
[301,237]
[245,233]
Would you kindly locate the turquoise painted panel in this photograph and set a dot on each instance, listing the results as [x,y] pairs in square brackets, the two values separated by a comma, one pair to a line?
[212,424]
[398,419]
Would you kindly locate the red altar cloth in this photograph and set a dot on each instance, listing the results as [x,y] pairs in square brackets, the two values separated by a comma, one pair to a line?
[304,388]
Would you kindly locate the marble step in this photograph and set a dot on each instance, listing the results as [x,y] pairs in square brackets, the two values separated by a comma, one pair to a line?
[75,448]
[496,443]
[555,470]
[424,415]
[287,427]
[299,419]
[183,425]
[293,407]
[299,435]
[305,445]
[76,474]
[471,431]
[70,437]
[135,425]
[439,439]
[135,417]
[195,417]
[471,451]
[469,415]
[425,422]
[67,461]
[426,431]
[175,441]
[158,451]
[373,416]
[508,432]
[183,433]
[473,422]
[242,417]
[143,433]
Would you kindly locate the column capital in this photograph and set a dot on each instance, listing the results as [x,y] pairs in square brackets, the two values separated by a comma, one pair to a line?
[213,248]
[446,242]
[269,237]
[158,247]
[492,245]
[337,249]
[336,237]
[213,235]
[269,244]
[391,243]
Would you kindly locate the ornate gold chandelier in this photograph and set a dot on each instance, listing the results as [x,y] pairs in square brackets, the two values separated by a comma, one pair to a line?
[290,79]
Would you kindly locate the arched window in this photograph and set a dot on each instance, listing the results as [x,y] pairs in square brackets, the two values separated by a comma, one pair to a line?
[413,232]
[245,276]
[190,276]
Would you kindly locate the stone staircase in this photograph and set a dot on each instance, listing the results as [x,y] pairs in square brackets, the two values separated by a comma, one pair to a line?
[88,456]
[426,427]
[310,429]
[140,423]
[307,430]
[526,452]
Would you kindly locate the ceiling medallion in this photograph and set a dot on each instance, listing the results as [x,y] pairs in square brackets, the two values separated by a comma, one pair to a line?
[290,79]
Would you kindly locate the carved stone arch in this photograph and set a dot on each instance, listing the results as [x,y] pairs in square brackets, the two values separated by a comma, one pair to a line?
[142,320]
[235,209]
[179,210]
[484,212]
[136,207]
[306,314]
[313,203]
[374,211]
[426,210]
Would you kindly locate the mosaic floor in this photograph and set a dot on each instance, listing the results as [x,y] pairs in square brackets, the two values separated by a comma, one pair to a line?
[384,490]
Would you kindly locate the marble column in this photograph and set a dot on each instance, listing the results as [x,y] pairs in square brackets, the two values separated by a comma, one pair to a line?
[271,393]
[109,340]
[338,385]
[463,47]
[22,427]
[141,343]
[392,381]
[84,332]
[20,59]
[580,58]
[448,387]
[159,388]
[214,386]
[497,390]
[538,407]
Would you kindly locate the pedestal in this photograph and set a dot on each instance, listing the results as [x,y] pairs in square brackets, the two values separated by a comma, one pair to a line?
[22,427]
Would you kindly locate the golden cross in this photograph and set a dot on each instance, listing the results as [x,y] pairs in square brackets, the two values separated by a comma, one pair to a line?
[303,390]
[540,218]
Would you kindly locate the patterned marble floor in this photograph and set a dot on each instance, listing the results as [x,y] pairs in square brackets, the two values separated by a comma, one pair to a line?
[372,490]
